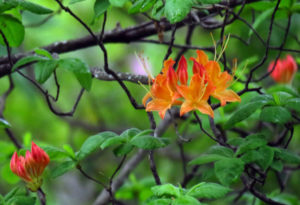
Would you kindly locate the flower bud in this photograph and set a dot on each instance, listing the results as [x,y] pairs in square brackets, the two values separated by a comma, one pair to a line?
[284,70]
[182,71]
[31,167]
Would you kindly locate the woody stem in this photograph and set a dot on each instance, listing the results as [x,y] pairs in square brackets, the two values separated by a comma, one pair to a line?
[42,196]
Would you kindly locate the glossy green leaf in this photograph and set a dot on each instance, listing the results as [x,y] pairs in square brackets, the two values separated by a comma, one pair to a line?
[252,142]
[130,133]
[123,149]
[185,200]
[287,156]
[229,170]
[262,5]
[100,7]
[267,155]
[275,114]
[206,190]
[80,70]
[293,104]
[12,193]
[296,8]
[118,3]
[158,10]
[27,60]
[12,29]
[22,200]
[177,10]
[251,156]
[7,175]
[160,202]
[62,168]
[209,1]
[260,19]
[34,8]
[244,112]
[7,5]
[147,142]
[69,150]
[75,1]
[135,8]
[113,141]
[277,165]
[204,159]
[43,52]
[93,143]
[221,150]
[54,152]
[44,69]
[166,190]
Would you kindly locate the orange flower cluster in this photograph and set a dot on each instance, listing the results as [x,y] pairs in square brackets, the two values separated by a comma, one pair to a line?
[171,88]
[31,167]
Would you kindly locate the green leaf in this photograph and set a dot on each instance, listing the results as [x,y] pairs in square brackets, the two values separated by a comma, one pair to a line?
[100,7]
[43,52]
[75,1]
[113,141]
[62,168]
[262,5]
[277,165]
[208,191]
[229,170]
[220,150]
[160,202]
[158,10]
[7,5]
[281,98]
[22,200]
[293,104]
[261,18]
[287,156]
[244,112]
[147,5]
[44,69]
[27,138]
[296,8]
[177,10]
[251,156]
[283,88]
[80,70]
[209,1]
[147,142]
[267,155]
[252,142]
[26,60]
[4,123]
[54,152]
[275,114]
[185,200]
[130,133]
[166,190]
[117,3]
[144,132]
[135,8]
[123,149]
[34,8]
[204,159]
[69,150]
[11,193]
[93,143]
[12,29]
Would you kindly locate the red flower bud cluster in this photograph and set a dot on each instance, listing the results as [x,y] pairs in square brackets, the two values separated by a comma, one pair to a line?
[31,167]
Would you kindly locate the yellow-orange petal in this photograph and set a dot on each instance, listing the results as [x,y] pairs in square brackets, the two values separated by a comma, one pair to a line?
[157,105]
[202,57]
[205,108]
[146,97]
[227,96]
[187,106]
[167,64]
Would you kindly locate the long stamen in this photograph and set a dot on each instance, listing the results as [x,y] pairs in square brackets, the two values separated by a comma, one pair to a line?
[215,45]
[235,69]
[224,47]
[148,91]
[142,62]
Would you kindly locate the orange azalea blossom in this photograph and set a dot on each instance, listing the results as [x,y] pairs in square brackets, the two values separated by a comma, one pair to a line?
[217,79]
[163,91]
[196,96]
[31,167]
